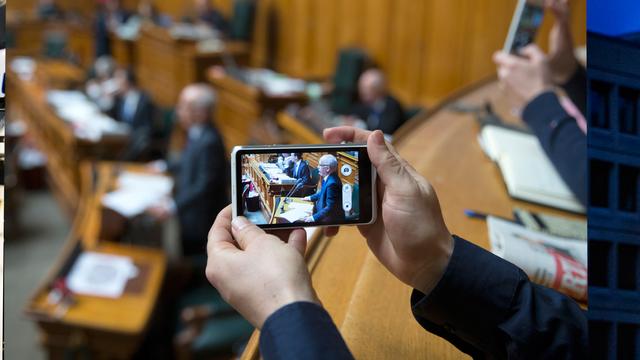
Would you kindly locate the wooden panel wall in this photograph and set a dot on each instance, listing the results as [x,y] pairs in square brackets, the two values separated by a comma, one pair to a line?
[428,48]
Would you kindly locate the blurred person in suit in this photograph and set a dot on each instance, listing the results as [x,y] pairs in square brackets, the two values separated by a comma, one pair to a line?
[208,14]
[110,17]
[133,106]
[49,10]
[328,201]
[200,172]
[300,170]
[377,108]
[530,81]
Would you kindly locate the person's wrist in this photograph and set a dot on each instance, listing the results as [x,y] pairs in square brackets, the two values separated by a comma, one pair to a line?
[287,297]
[431,273]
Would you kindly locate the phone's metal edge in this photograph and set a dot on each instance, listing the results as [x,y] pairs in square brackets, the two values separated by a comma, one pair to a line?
[515,22]
[234,190]
[234,205]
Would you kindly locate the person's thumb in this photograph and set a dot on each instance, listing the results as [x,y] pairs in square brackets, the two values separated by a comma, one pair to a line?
[391,170]
[298,240]
[245,232]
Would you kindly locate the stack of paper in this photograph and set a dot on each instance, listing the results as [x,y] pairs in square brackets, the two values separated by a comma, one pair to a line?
[103,275]
[137,192]
[85,116]
[297,211]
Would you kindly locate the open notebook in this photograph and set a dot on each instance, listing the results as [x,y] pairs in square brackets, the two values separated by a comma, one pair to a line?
[526,169]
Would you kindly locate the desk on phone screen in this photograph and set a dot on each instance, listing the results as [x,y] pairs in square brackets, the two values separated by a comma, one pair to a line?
[368,304]
[282,204]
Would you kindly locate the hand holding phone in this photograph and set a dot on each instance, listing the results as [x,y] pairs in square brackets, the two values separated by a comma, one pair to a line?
[527,18]
[409,236]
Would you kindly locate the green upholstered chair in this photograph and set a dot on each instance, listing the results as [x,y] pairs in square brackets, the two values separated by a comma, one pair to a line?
[351,63]
[208,327]
[241,27]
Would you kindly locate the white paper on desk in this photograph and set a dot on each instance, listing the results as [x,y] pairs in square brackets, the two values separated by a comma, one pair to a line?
[137,192]
[293,215]
[103,275]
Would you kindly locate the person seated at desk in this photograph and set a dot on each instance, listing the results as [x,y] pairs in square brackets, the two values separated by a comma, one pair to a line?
[485,306]
[102,86]
[208,14]
[558,122]
[200,172]
[134,107]
[377,108]
[300,170]
[109,19]
[328,201]
[148,13]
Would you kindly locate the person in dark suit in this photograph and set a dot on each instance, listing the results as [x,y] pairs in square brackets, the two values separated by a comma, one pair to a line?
[134,107]
[211,16]
[377,108]
[485,306]
[328,200]
[111,16]
[299,169]
[200,172]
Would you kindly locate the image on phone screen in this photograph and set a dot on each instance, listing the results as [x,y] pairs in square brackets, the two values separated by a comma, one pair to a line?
[304,188]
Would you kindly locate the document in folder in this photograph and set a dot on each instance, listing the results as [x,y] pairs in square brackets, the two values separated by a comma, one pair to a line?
[527,171]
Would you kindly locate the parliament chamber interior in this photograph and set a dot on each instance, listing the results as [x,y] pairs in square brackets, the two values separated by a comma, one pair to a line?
[121,120]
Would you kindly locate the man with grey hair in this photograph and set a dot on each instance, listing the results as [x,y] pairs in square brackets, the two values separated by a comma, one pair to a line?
[200,173]
[328,201]
[378,108]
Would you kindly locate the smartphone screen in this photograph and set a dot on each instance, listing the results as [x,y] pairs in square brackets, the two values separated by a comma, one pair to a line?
[284,187]
[526,21]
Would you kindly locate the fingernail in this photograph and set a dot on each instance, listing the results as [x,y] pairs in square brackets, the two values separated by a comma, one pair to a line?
[240,223]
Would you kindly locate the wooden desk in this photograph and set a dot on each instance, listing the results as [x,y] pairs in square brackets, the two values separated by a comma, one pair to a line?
[101,327]
[369,305]
[58,74]
[29,34]
[279,210]
[166,65]
[245,113]
[123,50]
[55,137]
[267,188]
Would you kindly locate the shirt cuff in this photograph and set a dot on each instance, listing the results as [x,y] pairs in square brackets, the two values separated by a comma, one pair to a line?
[543,110]
[473,296]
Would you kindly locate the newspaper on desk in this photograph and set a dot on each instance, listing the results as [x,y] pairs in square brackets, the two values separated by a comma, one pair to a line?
[559,263]
[103,275]
[136,192]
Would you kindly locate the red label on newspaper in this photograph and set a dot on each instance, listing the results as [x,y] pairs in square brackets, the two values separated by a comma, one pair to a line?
[571,276]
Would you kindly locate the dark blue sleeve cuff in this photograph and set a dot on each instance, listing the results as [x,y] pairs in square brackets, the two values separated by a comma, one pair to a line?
[302,330]
[542,111]
[473,296]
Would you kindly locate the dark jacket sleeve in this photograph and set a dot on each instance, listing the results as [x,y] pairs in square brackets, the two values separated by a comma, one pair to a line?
[331,203]
[302,330]
[562,140]
[209,167]
[488,308]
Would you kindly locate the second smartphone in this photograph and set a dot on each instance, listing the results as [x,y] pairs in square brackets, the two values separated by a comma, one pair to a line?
[290,186]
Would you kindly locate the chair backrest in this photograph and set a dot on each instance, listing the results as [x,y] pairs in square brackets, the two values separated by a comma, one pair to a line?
[242,21]
[55,45]
[315,174]
[350,65]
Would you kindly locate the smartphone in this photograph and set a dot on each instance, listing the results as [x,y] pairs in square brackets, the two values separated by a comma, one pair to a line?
[292,186]
[524,26]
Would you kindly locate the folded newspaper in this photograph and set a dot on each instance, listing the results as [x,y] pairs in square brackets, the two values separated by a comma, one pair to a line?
[559,263]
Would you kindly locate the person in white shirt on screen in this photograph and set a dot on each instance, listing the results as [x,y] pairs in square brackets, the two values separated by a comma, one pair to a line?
[328,201]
